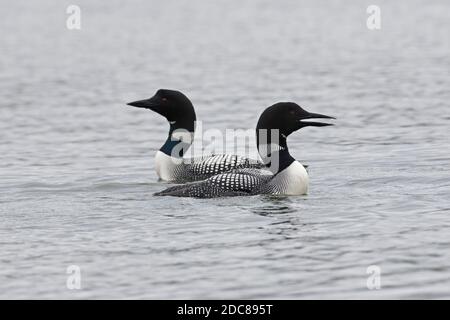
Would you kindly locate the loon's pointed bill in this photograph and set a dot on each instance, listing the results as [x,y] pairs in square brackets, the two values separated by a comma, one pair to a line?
[154,103]
[146,104]
[311,115]
[170,164]
[283,174]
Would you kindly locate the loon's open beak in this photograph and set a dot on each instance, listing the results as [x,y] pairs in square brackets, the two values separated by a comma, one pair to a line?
[311,115]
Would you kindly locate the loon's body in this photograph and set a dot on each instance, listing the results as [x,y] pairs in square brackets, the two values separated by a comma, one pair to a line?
[282,175]
[170,164]
[293,180]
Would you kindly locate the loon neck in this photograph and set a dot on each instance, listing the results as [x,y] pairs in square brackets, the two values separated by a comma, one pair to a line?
[279,160]
[284,160]
[178,141]
[274,152]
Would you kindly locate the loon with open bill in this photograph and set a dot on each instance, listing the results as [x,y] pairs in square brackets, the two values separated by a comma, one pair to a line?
[169,162]
[282,175]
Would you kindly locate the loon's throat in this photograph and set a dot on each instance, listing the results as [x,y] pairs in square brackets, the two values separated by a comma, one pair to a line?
[178,141]
[277,161]
[273,150]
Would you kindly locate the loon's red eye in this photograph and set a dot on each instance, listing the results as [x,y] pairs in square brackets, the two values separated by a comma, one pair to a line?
[164,99]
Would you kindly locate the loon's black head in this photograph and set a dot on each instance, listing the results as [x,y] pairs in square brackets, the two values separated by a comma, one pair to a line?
[288,117]
[275,124]
[173,105]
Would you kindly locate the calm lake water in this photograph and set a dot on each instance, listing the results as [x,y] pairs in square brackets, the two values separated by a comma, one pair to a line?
[77,168]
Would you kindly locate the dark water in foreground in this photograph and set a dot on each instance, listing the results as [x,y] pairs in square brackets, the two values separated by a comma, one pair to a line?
[77,172]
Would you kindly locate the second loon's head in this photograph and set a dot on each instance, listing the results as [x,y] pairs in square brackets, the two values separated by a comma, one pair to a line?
[275,124]
[288,117]
[173,105]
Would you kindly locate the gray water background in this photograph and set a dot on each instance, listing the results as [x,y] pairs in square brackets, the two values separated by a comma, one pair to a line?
[77,168]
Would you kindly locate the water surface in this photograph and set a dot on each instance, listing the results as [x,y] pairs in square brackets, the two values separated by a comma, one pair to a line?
[77,169]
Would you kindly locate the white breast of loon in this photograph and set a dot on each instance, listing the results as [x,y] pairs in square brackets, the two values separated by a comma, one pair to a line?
[293,180]
[166,166]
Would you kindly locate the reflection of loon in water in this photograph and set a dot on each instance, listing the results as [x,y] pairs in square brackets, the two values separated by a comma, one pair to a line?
[169,162]
[283,174]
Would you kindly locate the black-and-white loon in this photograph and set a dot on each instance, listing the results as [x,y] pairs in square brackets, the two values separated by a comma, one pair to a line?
[169,162]
[283,175]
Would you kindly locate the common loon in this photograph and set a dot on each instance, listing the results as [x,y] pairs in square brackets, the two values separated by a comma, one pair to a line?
[283,175]
[169,162]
